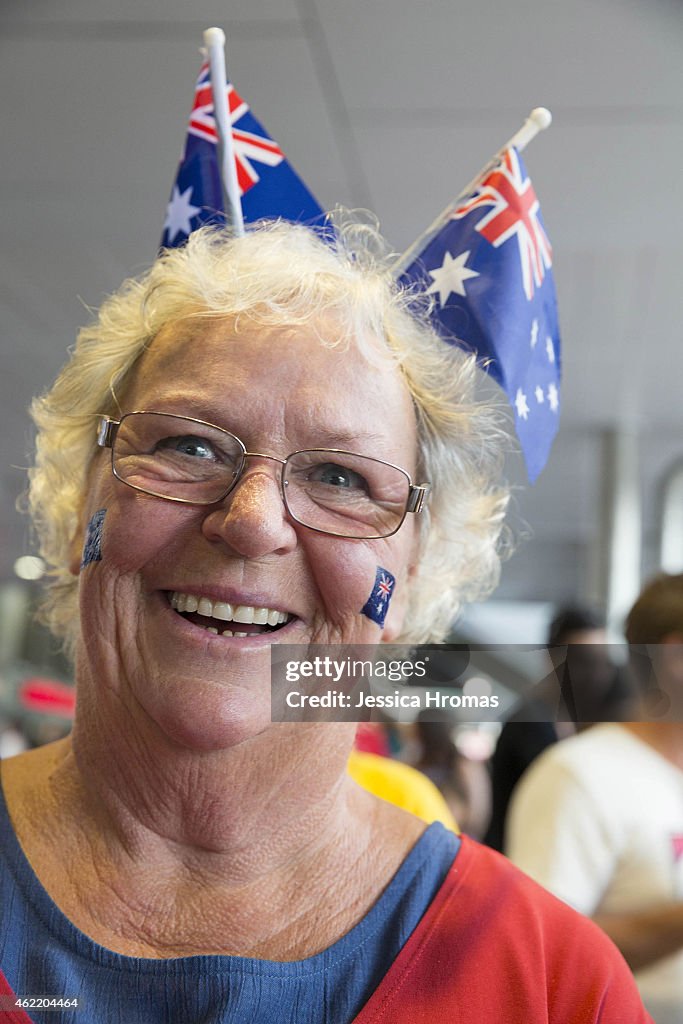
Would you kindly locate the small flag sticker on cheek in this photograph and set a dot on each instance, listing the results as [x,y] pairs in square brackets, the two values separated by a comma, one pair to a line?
[92,549]
[377,605]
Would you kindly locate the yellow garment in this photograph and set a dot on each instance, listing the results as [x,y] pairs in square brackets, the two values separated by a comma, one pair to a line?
[401,785]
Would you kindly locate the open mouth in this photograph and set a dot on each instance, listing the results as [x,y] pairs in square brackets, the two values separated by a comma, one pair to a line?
[225,619]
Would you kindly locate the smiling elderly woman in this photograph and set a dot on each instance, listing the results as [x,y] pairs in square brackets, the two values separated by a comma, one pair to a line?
[239,444]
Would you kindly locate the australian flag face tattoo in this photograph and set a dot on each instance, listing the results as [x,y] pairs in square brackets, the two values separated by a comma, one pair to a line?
[92,549]
[377,605]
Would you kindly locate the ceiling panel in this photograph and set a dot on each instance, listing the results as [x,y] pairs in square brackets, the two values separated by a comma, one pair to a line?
[487,57]
[131,14]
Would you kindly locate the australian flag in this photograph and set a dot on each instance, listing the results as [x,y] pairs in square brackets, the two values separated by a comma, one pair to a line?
[377,605]
[267,184]
[487,262]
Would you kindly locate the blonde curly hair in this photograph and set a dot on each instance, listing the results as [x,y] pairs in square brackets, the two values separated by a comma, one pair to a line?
[280,274]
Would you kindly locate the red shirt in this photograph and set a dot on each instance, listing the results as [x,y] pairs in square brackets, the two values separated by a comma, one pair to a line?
[495,948]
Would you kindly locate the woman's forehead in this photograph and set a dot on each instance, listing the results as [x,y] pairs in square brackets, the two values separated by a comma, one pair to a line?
[202,346]
[216,366]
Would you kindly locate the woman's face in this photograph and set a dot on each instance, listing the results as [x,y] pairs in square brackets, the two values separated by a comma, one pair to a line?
[279,391]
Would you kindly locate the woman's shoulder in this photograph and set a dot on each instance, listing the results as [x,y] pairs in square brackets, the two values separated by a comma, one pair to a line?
[501,948]
[485,890]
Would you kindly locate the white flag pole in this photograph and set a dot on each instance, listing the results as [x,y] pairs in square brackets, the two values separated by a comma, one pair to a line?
[539,119]
[214,41]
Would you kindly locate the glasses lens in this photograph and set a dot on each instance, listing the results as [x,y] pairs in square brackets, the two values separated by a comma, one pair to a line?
[176,457]
[349,495]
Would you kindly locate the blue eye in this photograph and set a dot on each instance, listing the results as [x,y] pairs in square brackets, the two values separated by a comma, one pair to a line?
[337,476]
[190,445]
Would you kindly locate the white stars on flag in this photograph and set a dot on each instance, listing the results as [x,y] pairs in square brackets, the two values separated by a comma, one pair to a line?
[451,276]
[547,397]
[534,334]
[179,214]
[549,349]
[521,404]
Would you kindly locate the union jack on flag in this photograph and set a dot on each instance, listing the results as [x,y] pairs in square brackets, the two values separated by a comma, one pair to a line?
[488,263]
[514,213]
[268,185]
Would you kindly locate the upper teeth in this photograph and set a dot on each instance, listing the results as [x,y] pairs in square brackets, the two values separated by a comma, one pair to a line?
[227,612]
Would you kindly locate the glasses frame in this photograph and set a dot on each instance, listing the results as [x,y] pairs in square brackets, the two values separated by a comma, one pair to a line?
[108,428]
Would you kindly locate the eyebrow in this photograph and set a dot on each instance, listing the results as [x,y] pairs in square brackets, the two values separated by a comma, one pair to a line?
[330,438]
[326,437]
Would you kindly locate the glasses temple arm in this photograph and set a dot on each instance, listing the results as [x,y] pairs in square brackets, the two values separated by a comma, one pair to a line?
[417,497]
[106,431]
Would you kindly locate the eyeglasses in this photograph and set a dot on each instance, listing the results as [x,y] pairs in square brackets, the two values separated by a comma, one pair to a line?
[183,459]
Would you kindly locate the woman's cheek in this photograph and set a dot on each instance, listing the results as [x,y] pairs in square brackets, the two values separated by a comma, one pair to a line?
[358,585]
[395,617]
[125,533]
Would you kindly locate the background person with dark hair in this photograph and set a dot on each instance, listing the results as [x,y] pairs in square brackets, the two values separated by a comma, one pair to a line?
[589,687]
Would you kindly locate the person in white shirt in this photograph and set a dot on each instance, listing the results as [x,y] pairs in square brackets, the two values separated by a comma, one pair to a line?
[598,818]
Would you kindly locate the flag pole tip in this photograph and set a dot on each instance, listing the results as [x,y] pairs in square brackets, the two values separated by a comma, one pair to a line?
[214,37]
[541,117]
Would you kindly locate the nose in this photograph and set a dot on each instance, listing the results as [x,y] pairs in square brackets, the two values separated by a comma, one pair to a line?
[252,520]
